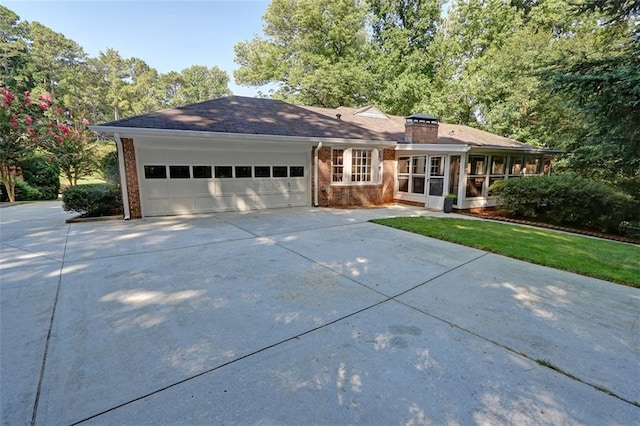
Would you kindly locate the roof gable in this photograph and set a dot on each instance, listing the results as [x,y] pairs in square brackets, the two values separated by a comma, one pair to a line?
[370,111]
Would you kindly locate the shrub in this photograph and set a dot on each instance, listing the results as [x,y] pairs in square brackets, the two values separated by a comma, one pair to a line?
[98,199]
[566,199]
[41,173]
[109,167]
[26,192]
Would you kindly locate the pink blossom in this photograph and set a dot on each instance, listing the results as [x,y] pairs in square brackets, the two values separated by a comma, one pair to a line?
[46,98]
[27,100]
[85,121]
[8,97]
[27,93]
[64,129]
[28,120]
[44,106]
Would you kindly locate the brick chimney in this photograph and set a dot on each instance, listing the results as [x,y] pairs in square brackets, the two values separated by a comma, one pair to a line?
[421,128]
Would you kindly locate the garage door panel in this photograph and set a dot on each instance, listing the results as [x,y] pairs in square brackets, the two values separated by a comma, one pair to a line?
[180,205]
[264,186]
[181,187]
[298,185]
[157,206]
[157,188]
[246,202]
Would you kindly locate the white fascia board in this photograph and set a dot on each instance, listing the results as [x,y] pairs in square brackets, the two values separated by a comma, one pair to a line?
[129,132]
[507,150]
[440,148]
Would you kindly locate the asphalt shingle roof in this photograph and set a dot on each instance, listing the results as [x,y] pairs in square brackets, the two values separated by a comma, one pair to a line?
[260,116]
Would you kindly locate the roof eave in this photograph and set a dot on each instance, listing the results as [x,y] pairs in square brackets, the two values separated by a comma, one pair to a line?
[125,132]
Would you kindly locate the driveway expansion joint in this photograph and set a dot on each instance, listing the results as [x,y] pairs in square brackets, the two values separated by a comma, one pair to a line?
[48,339]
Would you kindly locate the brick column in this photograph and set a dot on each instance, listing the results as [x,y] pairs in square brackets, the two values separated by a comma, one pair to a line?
[131,178]
[388,174]
[324,176]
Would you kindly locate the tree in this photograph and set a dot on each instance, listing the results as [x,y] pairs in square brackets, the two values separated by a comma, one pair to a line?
[114,72]
[200,83]
[72,145]
[54,61]
[402,32]
[603,84]
[315,50]
[144,94]
[13,51]
[21,130]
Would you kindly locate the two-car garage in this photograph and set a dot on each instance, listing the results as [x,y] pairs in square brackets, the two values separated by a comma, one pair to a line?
[183,177]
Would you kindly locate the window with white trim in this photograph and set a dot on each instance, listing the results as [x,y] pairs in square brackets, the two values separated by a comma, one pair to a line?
[361,165]
[337,165]
[355,166]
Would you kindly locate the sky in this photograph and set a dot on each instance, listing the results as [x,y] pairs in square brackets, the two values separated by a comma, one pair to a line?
[167,35]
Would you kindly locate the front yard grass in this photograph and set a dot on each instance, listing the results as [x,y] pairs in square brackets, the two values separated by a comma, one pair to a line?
[607,260]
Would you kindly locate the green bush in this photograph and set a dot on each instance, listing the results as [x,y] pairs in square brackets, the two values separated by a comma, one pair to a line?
[42,173]
[109,167]
[566,199]
[26,192]
[98,199]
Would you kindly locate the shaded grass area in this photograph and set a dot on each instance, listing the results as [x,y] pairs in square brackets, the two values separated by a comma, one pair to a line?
[607,260]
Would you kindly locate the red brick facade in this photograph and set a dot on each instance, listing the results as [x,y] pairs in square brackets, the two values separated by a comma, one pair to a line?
[421,132]
[131,178]
[354,195]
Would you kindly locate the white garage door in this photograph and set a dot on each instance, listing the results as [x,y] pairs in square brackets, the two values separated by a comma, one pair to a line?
[182,181]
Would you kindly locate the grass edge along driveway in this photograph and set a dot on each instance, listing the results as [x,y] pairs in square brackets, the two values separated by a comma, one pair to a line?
[604,259]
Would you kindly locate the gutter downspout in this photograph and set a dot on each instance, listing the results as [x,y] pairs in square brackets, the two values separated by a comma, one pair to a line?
[315,175]
[123,177]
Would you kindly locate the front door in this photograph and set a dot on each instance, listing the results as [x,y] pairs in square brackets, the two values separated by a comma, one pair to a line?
[435,182]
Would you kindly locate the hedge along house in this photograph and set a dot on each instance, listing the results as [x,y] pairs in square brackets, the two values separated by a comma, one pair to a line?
[237,153]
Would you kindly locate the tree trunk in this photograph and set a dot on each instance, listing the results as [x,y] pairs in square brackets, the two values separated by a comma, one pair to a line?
[9,182]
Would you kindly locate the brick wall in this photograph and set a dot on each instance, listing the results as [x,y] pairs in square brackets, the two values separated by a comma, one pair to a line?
[346,196]
[131,178]
[421,133]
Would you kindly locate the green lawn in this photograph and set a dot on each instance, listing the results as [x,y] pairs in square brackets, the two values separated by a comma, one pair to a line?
[607,260]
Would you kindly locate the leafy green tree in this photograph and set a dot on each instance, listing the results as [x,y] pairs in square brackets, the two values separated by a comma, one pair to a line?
[316,51]
[114,72]
[402,32]
[170,86]
[200,83]
[13,51]
[603,84]
[54,61]
[144,94]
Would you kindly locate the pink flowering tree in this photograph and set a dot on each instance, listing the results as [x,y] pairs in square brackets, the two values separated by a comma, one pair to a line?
[72,144]
[21,132]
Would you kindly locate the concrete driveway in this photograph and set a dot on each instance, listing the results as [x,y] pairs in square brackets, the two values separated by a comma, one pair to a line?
[299,316]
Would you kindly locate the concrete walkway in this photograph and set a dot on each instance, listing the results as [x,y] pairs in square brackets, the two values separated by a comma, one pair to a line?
[299,316]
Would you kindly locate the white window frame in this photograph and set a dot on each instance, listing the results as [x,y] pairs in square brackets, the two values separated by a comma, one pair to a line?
[353,174]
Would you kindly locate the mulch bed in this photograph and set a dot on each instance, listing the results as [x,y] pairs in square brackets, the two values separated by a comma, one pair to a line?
[493,214]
